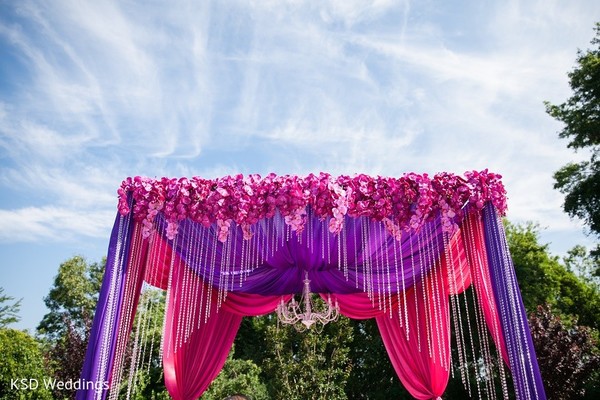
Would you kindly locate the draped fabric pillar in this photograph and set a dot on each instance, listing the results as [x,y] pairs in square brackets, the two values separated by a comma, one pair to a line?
[519,344]
[400,250]
[199,332]
[420,351]
[472,237]
[416,329]
[115,311]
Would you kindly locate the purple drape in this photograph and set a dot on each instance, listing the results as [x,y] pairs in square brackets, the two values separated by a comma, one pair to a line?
[102,343]
[354,261]
[364,259]
[523,361]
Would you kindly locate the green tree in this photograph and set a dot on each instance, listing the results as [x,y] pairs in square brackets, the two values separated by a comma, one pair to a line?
[72,298]
[9,313]
[21,359]
[567,354]
[544,280]
[66,327]
[538,273]
[310,364]
[237,376]
[580,182]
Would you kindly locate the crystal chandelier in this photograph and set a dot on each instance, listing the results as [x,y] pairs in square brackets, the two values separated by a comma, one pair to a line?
[292,314]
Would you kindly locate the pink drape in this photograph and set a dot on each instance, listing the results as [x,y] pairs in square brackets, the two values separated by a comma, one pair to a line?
[196,347]
[472,240]
[415,327]
[415,331]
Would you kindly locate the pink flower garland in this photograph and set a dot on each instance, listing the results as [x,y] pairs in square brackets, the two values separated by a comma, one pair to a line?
[403,204]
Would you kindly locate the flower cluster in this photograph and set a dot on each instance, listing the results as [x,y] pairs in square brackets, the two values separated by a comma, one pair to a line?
[403,203]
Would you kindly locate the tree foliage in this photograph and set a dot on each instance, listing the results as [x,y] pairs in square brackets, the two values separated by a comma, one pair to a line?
[9,313]
[237,377]
[65,329]
[544,280]
[567,354]
[72,298]
[580,182]
[21,359]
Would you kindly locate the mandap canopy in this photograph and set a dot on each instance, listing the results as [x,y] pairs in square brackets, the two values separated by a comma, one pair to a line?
[400,250]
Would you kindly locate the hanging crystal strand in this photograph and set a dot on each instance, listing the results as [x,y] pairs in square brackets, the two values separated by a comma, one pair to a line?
[386,254]
[136,353]
[170,293]
[128,308]
[222,277]
[205,235]
[406,324]
[228,269]
[211,266]
[355,261]
[368,265]
[378,275]
[153,329]
[469,330]
[437,314]
[261,244]
[456,315]
[126,312]
[440,291]
[181,297]
[478,373]
[470,337]
[442,308]
[483,336]
[415,283]
[484,346]
[513,290]
[503,310]
[475,226]
[233,264]
[431,299]
[385,270]
[423,259]
[257,248]
[345,252]
[338,240]
[188,287]
[143,313]
[396,267]
[196,246]
[328,245]
[199,265]
[243,260]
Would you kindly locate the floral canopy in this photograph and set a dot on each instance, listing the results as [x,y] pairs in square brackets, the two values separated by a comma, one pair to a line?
[400,250]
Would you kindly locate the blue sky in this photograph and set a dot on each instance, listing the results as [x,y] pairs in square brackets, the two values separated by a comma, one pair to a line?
[93,92]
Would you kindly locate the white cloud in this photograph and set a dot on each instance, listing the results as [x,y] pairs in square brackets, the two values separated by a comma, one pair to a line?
[381,87]
[53,224]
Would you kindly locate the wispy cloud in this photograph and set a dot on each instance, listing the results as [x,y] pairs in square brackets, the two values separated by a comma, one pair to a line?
[379,86]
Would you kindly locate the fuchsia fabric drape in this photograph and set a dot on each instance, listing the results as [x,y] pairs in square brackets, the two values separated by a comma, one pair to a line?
[420,351]
[415,330]
[196,345]
[472,234]
[386,248]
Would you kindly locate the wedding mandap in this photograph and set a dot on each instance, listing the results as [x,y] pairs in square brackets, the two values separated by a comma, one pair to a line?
[402,250]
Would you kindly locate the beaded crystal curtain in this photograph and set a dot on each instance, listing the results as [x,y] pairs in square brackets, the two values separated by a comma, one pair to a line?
[400,250]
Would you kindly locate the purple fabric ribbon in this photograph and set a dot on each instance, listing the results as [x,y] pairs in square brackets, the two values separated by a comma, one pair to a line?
[364,254]
[523,362]
[102,343]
